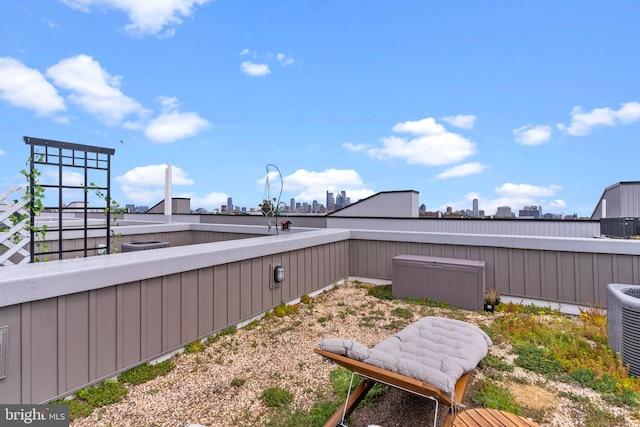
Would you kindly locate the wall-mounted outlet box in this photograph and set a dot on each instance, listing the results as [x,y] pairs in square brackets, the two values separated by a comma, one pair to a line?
[4,339]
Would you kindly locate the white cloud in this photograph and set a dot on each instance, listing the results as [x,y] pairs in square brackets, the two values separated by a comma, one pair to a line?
[27,88]
[629,112]
[516,196]
[583,122]
[462,170]
[254,70]
[427,126]
[355,147]
[147,17]
[284,59]
[308,185]
[557,204]
[169,103]
[209,201]
[526,190]
[172,126]
[432,145]
[145,184]
[2,153]
[461,121]
[530,135]
[94,89]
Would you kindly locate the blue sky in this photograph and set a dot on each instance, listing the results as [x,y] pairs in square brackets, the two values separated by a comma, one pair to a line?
[513,103]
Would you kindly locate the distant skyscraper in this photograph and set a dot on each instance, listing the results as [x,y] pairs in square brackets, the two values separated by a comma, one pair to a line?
[330,201]
[531,211]
[475,208]
[504,212]
[293,204]
[229,203]
[341,200]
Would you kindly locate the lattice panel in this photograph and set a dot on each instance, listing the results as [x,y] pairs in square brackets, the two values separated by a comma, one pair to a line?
[14,237]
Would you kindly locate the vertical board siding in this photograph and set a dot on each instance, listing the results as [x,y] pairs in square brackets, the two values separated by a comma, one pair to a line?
[129,325]
[171,312]
[68,342]
[189,308]
[205,301]
[151,312]
[256,291]
[102,332]
[245,288]
[74,316]
[233,288]
[555,276]
[219,297]
[43,357]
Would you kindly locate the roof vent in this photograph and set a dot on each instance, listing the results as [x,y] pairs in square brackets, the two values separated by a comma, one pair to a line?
[623,324]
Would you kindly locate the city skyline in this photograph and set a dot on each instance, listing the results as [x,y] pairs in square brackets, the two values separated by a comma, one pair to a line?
[511,104]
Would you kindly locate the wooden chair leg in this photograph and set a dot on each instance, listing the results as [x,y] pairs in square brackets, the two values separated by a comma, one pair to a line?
[354,399]
[460,390]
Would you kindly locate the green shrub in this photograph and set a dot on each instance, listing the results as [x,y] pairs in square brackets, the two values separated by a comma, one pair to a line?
[194,347]
[537,359]
[380,291]
[305,299]
[496,363]
[229,331]
[238,382]
[276,397]
[341,378]
[493,396]
[587,377]
[103,394]
[78,408]
[146,372]
[404,313]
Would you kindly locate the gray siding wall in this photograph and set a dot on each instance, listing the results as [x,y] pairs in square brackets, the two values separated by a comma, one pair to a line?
[393,204]
[514,227]
[176,238]
[623,200]
[60,343]
[556,270]
[76,322]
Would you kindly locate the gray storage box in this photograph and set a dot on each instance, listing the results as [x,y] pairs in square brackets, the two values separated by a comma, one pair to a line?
[459,282]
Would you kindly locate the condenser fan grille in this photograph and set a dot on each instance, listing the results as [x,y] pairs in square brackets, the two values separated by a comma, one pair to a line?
[623,324]
[631,340]
[632,292]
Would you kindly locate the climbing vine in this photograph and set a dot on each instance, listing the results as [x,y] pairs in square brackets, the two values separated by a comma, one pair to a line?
[111,211]
[35,205]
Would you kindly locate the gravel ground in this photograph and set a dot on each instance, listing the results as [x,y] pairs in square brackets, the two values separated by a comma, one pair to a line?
[279,352]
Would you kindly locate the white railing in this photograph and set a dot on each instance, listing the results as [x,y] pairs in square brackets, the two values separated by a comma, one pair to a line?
[14,237]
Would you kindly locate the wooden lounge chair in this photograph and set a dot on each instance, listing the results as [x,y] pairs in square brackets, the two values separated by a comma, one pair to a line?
[432,358]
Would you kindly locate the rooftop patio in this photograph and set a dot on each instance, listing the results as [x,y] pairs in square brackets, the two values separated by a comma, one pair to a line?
[221,383]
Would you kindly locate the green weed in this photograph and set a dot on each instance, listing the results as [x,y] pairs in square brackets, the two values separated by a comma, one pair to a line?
[146,372]
[494,396]
[238,382]
[276,397]
[194,347]
[404,313]
[103,394]
[379,291]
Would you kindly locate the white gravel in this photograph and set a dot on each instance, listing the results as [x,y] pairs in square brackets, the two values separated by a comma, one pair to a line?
[279,352]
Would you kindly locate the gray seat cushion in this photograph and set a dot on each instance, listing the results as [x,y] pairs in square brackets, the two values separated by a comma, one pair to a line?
[435,350]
